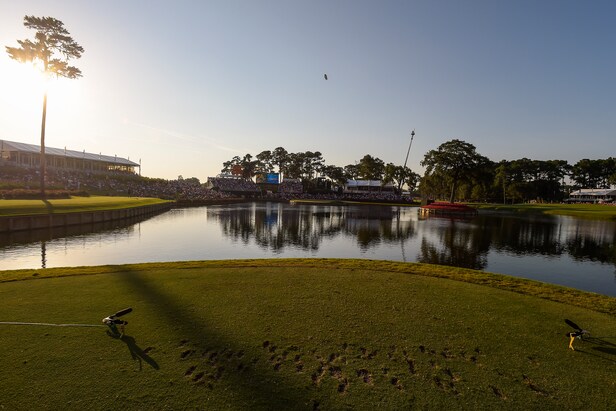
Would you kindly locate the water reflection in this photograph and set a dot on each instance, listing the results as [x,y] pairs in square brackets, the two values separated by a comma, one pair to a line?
[14,241]
[449,241]
[458,243]
[562,250]
[277,226]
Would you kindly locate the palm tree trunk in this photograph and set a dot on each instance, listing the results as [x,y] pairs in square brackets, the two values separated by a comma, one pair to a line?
[43,161]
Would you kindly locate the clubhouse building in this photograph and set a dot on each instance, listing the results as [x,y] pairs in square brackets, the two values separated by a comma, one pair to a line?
[593,195]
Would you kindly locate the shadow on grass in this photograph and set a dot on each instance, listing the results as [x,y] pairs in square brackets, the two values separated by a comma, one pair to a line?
[257,387]
[135,351]
[602,346]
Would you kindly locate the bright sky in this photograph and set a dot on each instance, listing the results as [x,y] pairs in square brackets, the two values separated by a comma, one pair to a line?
[187,85]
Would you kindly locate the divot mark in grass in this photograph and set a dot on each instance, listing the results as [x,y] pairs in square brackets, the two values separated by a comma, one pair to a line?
[198,376]
[498,392]
[190,370]
[186,353]
[531,384]
[218,374]
[343,386]
[335,372]
[396,383]
[411,364]
[365,375]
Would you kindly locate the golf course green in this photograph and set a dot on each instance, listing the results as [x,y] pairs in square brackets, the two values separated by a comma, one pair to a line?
[301,334]
[589,211]
[73,205]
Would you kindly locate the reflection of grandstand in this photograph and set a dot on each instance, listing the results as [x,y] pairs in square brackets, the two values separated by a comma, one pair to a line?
[29,156]
[232,185]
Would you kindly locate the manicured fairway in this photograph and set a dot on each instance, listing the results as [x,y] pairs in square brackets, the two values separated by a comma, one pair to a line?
[300,334]
[592,211]
[72,205]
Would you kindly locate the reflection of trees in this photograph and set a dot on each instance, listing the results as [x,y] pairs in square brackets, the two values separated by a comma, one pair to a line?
[521,236]
[375,225]
[584,248]
[463,243]
[593,240]
[460,244]
[583,240]
[278,226]
[466,245]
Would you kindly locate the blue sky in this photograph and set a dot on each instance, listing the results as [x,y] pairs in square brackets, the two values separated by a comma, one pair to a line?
[187,85]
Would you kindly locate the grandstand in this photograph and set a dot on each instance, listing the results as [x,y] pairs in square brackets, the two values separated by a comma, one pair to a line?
[29,156]
[230,184]
[291,186]
[364,186]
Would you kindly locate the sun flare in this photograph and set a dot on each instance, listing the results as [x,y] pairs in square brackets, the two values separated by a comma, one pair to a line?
[24,84]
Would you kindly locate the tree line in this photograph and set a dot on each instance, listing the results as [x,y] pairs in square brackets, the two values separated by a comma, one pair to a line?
[453,171]
[310,168]
[456,171]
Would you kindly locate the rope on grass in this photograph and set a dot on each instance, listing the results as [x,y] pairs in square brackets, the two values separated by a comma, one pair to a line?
[49,324]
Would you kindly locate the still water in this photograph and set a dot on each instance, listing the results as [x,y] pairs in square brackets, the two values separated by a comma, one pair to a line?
[560,250]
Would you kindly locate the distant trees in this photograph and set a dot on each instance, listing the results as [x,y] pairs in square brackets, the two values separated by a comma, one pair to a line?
[400,175]
[51,49]
[594,173]
[525,179]
[370,168]
[455,170]
[452,163]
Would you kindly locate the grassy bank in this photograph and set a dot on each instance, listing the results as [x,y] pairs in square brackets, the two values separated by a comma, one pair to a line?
[72,205]
[593,211]
[301,334]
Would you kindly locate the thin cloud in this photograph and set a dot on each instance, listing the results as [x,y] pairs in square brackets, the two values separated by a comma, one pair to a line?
[194,141]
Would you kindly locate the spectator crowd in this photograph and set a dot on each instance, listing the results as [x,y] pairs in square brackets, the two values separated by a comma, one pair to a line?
[123,184]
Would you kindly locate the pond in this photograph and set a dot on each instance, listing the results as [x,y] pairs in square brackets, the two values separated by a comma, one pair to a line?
[560,250]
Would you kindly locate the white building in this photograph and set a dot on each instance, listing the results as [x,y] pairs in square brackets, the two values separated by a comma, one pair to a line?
[593,195]
[354,186]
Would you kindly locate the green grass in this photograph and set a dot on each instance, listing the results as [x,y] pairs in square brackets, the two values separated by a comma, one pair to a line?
[72,205]
[301,334]
[593,211]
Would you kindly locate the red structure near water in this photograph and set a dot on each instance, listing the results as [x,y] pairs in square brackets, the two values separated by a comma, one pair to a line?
[447,208]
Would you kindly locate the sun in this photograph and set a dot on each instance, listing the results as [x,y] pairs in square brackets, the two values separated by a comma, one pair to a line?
[23,86]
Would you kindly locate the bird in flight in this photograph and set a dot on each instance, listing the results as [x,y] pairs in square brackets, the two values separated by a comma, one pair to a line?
[325,76]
